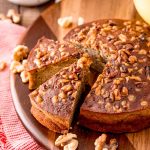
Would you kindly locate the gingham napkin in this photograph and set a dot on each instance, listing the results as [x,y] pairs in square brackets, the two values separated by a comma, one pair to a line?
[13,136]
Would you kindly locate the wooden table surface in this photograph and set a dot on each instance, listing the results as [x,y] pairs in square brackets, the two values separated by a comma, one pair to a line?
[29,14]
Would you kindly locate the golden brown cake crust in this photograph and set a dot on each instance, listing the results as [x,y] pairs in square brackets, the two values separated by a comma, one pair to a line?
[45,121]
[118,123]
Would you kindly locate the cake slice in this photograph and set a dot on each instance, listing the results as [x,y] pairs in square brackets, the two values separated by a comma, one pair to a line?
[47,58]
[54,102]
[119,100]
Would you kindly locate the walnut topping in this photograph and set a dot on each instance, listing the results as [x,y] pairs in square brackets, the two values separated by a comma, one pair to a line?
[130,70]
[83,61]
[38,62]
[124,103]
[63,80]
[62,95]
[77,85]
[108,106]
[122,37]
[68,141]
[117,94]
[3,65]
[97,91]
[74,94]
[39,99]
[144,103]
[131,98]
[65,54]
[40,53]
[73,76]
[55,99]
[118,81]
[66,88]
[132,59]
[142,52]
[137,78]
[124,91]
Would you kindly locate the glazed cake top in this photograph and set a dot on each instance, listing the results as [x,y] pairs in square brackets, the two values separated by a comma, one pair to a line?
[124,83]
[57,95]
[48,52]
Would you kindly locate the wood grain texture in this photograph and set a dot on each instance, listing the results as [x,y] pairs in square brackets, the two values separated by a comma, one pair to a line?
[28,14]
[90,10]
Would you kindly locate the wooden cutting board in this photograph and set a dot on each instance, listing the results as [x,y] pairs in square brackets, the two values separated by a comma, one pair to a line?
[90,10]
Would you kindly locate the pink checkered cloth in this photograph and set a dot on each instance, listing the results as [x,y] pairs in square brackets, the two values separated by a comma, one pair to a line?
[13,136]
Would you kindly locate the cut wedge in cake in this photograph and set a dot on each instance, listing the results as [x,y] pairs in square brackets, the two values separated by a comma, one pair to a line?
[55,101]
[47,58]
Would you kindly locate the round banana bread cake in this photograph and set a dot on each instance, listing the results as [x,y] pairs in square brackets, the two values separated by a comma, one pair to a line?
[119,99]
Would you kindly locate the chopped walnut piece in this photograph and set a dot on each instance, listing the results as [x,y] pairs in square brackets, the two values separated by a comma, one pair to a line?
[67,88]
[3,65]
[100,142]
[144,103]
[16,67]
[65,22]
[97,91]
[20,52]
[16,17]
[24,76]
[137,78]
[83,61]
[117,94]
[113,145]
[62,95]
[132,59]
[80,21]
[131,98]
[122,37]
[54,99]
[38,63]
[68,141]
[39,99]
[71,145]
[142,52]
[124,91]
